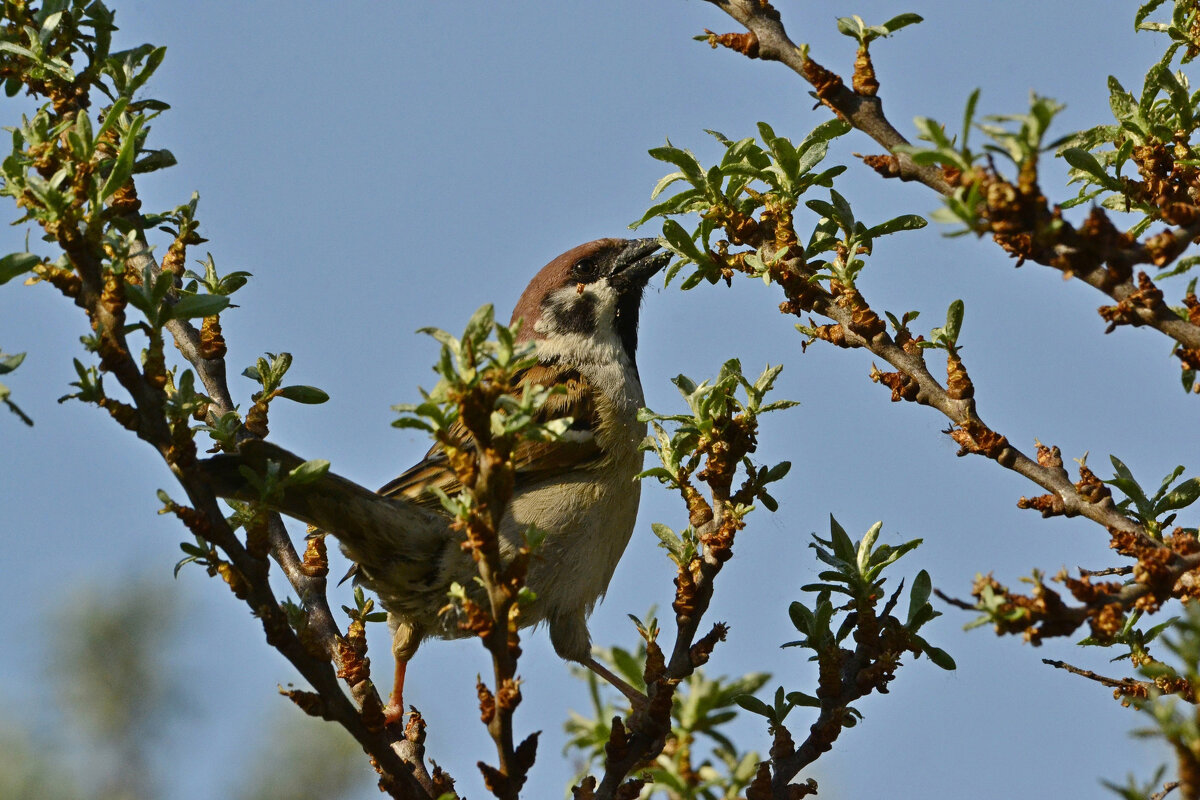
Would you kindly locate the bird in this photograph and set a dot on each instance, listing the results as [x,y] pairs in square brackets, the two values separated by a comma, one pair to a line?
[581,314]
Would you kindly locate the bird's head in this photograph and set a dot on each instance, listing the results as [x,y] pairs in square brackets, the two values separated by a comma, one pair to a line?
[585,303]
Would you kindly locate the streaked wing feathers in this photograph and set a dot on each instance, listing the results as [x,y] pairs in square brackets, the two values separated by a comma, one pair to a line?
[533,460]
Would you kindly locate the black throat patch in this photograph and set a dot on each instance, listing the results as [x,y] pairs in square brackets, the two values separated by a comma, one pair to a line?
[576,316]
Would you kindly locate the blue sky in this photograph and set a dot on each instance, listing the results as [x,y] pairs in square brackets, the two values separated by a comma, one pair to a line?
[393,166]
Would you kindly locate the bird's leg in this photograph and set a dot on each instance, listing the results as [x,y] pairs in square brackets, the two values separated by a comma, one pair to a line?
[636,698]
[405,638]
[394,711]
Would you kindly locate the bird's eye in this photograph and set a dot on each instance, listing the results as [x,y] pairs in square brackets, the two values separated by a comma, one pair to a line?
[585,270]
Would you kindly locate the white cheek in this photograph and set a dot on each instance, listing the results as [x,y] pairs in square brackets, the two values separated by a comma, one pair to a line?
[601,355]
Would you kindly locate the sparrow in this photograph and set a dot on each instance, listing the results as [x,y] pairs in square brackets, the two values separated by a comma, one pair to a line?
[580,312]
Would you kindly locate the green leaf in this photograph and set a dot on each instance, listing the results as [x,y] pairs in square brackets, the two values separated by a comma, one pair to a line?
[904,222]
[153,60]
[1083,160]
[1129,486]
[843,548]
[15,264]
[668,539]
[9,362]
[308,472]
[192,306]
[802,699]
[111,116]
[754,705]
[918,596]
[310,395]
[954,320]
[1146,10]
[777,472]
[122,168]
[1181,496]
[939,657]
[901,21]
[629,667]
[801,616]
[851,26]
[683,159]
[480,323]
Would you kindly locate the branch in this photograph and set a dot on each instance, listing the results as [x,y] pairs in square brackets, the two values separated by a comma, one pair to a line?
[864,112]
[1124,686]
[1102,264]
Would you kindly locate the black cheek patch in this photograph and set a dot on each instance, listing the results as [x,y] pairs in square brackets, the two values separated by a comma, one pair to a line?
[576,316]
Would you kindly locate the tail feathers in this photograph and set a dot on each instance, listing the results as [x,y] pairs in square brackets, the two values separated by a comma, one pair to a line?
[382,534]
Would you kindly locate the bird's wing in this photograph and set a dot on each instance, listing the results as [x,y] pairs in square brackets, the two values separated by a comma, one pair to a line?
[532,459]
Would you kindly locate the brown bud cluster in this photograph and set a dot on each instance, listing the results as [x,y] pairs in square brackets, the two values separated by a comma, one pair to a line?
[1166,183]
[487,702]
[1146,296]
[656,663]
[525,754]
[886,165]
[903,385]
[973,436]
[1050,505]
[155,368]
[700,652]
[834,334]
[617,746]
[1049,457]
[1090,487]
[196,522]
[316,558]
[826,83]
[958,383]
[236,580]
[1036,617]
[310,703]
[777,217]
[509,696]
[256,419]
[630,789]
[475,620]
[744,43]
[60,278]
[125,200]
[863,319]
[760,787]
[782,745]
[125,414]
[864,81]
[212,343]
[742,229]
[686,602]
[182,451]
[585,790]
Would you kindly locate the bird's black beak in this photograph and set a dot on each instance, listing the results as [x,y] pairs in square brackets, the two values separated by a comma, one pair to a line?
[637,262]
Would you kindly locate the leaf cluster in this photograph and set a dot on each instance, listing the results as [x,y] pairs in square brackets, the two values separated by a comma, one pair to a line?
[748,178]
[1149,511]
[269,372]
[477,364]
[1101,157]
[855,571]
[719,410]
[1017,138]
[856,29]
[701,710]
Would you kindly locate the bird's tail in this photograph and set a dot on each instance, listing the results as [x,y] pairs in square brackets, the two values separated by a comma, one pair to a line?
[381,534]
